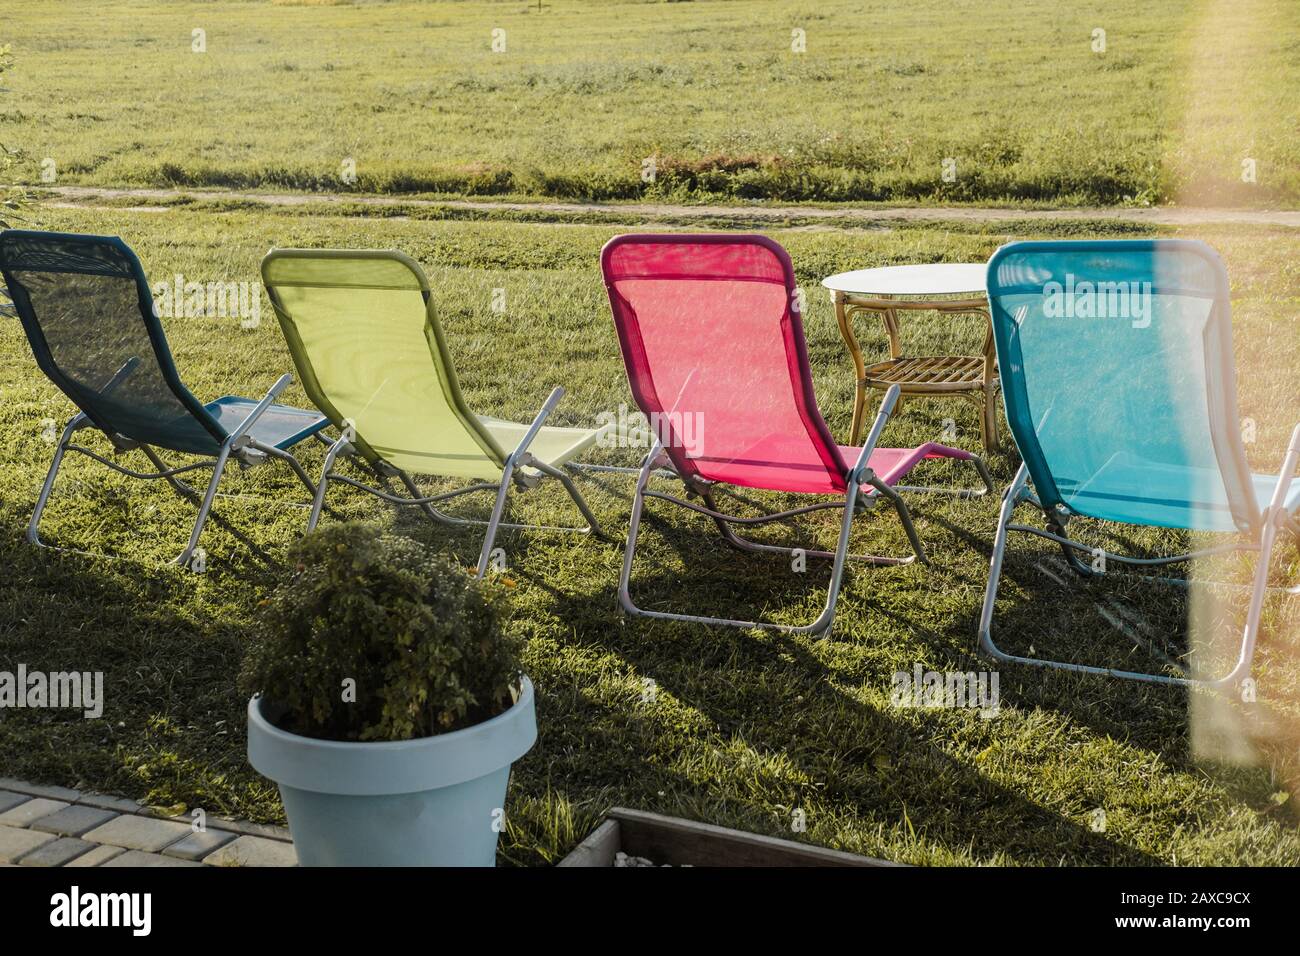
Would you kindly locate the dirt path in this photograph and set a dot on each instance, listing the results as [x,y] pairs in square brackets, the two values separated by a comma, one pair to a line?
[1160,215]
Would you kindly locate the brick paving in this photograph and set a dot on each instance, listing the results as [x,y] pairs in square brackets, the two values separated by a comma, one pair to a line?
[132,832]
[73,820]
[57,826]
[253,851]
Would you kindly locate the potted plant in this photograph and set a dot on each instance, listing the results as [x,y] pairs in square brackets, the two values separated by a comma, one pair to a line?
[388,703]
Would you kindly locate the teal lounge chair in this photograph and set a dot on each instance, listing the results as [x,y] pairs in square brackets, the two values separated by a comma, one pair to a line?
[1117,372]
[85,305]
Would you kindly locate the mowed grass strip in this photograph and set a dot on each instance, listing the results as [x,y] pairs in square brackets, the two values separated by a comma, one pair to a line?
[744,728]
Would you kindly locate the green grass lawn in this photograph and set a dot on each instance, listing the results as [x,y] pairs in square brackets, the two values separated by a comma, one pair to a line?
[584,92]
[746,727]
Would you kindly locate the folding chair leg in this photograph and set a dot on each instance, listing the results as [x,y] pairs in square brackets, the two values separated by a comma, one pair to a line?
[426,503]
[425,506]
[981,469]
[1009,500]
[498,509]
[904,515]
[291,461]
[164,471]
[519,455]
[817,627]
[986,642]
[1275,518]
[746,544]
[442,517]
[1259,591]
[205,508]
[318,500]
[33,526]
[634,526]
[519,458]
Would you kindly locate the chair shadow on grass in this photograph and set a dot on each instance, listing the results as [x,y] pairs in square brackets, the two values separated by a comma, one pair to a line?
[716,671]
[172,662]
[1152,718]
[1041,596]
[169,665]
[1149,717]
[1155,718]
[216,522]
[720,674]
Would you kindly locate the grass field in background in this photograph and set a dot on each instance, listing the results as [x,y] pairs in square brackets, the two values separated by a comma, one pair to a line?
[584,92]
[746,726]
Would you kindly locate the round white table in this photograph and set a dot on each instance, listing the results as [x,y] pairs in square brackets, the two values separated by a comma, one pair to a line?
[951,288]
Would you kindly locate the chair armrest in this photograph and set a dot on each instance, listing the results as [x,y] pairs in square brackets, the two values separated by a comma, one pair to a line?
[549,406]
[281,384]
[882,417]
[1287,473]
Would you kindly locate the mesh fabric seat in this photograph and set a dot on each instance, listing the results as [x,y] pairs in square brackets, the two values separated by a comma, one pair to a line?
[1121,396]
[85,307]
[1152,347]
[370,351]
[554,444]
[713,344]
[87,310]
[280,426]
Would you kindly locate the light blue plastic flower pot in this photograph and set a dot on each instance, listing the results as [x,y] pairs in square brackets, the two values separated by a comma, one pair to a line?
[435,801]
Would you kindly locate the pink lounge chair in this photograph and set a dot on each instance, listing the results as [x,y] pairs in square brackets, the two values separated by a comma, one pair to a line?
[713,344]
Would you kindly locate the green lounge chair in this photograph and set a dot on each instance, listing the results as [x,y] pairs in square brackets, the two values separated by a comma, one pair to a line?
[86,307]
[367,344]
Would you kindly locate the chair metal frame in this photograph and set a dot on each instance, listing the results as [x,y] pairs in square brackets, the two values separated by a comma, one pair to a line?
[238,446]
[514,474]
[859,474]
[1275,518]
